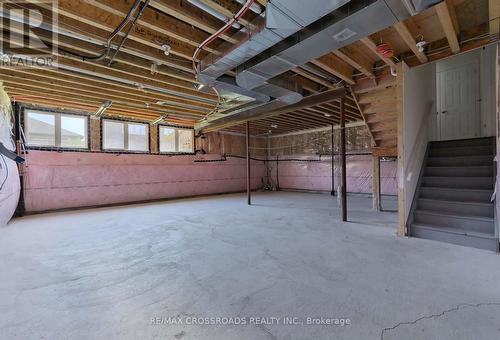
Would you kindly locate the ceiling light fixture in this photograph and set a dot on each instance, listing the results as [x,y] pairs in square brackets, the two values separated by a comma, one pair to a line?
[327,115]
[274,126]
[420,45]
[166,49]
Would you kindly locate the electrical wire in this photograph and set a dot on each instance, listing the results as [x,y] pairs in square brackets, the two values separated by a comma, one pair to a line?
[107,45]
[139,14]
[6,172]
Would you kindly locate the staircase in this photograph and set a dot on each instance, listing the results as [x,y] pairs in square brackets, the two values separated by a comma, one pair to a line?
[453,200]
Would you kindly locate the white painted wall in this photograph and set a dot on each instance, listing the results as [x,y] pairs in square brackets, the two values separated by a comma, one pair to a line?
[488,65]
[419,109]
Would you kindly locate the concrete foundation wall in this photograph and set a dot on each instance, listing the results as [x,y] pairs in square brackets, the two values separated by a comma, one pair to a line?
[78,179]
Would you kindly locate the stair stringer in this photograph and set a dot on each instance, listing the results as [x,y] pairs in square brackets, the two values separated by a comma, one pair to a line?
[413,206]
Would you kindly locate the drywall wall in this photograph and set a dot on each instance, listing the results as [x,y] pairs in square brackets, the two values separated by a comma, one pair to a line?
[57,180]
[419,107]
[9,175]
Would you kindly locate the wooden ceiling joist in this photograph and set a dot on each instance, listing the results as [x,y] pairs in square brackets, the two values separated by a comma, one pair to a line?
[405,34]
[142,76]
[494,17]
[336,66]
[447,17]
[356,60]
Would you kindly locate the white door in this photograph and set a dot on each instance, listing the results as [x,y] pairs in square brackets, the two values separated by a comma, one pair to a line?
[457,102]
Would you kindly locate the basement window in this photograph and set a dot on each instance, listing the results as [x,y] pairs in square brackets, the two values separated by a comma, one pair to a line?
[125,136]
[176,140]
[53,129]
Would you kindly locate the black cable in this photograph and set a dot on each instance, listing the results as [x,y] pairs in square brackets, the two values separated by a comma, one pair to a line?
[6,172]
[141,10]
[117,30]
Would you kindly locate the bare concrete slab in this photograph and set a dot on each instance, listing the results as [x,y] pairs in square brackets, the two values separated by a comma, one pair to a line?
[285,267]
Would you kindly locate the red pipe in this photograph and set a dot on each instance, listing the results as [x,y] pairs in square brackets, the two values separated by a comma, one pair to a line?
[223,29]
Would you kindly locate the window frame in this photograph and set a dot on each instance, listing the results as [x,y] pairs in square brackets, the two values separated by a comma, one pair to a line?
[126,136]
[176,128]
[57,127]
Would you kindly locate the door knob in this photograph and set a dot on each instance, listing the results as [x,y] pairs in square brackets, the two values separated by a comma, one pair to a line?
[444,111]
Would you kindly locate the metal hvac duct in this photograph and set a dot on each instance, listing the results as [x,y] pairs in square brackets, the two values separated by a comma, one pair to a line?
[339,28]
[290,34]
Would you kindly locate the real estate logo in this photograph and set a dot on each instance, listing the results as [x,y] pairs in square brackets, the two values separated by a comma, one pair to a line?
[29,33]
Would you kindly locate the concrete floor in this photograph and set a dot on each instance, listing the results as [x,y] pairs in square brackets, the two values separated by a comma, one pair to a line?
[121,273]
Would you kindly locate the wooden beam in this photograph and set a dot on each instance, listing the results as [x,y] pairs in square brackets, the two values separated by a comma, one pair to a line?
[336,66]
[93,16]
[156,21]
[494,17]
[96,92]
[191,15]
[371,45]
[447,18]
[313,77]
[313,100]
[229,9]
[407,37]
[356,60]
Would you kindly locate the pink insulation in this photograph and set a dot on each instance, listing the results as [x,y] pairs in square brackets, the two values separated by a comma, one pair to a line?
[317,175]
[79,179]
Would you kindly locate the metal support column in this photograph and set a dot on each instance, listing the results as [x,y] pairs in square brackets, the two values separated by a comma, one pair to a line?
[343,184]
[333,165]
[249,199]
[376,183]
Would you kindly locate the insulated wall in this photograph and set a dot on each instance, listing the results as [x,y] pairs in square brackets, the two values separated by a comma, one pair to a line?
[317,175]
[295,162]
[57,180]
